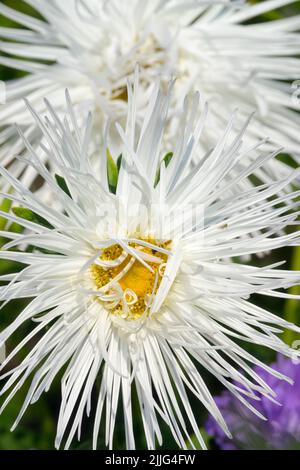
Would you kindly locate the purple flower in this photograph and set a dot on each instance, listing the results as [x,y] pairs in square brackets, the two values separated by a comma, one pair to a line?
[282,428]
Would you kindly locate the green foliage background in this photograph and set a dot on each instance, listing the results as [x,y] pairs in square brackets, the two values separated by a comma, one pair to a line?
[37,428]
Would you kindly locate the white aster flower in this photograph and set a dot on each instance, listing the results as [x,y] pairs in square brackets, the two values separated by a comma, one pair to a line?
[140,302]
[91,47]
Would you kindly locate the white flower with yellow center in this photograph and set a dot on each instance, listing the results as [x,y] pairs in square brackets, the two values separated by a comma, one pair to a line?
[141,299]
[91,47]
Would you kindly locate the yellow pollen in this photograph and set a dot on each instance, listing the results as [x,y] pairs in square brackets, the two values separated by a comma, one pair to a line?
[132,283]
[120,94]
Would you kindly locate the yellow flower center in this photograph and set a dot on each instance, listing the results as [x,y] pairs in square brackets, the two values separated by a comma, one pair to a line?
[128,279]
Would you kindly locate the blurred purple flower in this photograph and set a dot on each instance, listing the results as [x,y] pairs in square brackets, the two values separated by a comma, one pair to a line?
[282,428]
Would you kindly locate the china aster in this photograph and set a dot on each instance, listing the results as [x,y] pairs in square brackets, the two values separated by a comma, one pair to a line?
[226,49]
[131,278]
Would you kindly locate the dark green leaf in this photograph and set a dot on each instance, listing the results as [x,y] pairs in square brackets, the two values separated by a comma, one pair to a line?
[119,161]
[62,184]
[167,158]
[27,214]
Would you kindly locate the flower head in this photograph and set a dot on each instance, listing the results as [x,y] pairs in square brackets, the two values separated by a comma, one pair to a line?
[92,48]
[130,276]
[281,430]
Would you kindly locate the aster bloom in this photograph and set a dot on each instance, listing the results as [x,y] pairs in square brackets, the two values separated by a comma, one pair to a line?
[141,299]
[92,47]
[282,428]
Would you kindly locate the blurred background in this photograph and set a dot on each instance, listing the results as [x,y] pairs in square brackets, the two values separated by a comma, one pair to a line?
[37,428]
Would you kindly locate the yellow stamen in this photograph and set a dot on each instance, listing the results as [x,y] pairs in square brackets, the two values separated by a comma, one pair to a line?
[137,279]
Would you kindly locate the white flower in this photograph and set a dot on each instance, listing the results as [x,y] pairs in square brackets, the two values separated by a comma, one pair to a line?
[92,47]
[141,301]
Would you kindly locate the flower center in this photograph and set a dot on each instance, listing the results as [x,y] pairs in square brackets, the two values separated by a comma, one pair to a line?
[145,51]
[127,277]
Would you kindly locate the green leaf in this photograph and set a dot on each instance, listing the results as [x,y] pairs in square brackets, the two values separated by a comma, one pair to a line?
[16,228]
[119,161]
[167,158]
[112,172]
[63,185]
[194,440]
[27,214]
[271,15]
